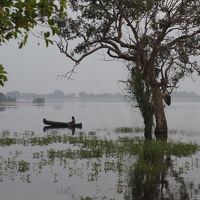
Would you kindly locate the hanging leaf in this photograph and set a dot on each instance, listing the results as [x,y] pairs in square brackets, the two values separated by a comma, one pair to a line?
[3,77]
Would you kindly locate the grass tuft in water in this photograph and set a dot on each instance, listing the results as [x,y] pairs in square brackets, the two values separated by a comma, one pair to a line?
[23,166]
[129,130]
[124,130]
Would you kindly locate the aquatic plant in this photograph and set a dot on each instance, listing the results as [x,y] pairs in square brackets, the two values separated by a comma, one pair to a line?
[129,130]
[91,145]
[90,156]
[98,155]
[23,166]
[124,130]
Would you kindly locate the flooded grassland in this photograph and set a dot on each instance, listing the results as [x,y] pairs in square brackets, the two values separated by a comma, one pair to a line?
[104,160]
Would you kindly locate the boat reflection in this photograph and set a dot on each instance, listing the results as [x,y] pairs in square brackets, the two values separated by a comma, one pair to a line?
[61,125]
[53,128]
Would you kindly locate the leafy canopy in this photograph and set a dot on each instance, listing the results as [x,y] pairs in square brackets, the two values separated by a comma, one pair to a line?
[19,17]
[159,37]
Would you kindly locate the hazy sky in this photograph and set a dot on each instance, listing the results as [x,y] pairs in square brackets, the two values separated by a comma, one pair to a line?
[35,68]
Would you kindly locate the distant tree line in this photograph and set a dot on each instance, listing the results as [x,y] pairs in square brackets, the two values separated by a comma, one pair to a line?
[5,98]
[57,94]
[39,100]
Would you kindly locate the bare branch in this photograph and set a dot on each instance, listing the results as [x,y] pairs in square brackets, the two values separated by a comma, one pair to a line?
[69,74]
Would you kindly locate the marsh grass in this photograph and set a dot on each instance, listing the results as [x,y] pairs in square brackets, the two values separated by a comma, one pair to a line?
[90,146]
[93,146]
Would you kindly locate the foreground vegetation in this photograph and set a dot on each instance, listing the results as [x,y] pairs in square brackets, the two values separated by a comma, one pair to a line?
[99,146]
[135,164]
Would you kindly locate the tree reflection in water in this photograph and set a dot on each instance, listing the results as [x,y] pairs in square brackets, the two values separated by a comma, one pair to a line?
[153,177]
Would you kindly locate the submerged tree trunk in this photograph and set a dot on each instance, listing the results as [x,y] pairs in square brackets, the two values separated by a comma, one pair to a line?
[148,124]
[161,122]
[147,110]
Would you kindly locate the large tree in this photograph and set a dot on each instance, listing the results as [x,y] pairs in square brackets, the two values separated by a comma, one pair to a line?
[160,38]
[19,17]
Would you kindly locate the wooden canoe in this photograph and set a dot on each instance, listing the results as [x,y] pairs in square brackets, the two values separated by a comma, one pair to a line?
[61,124]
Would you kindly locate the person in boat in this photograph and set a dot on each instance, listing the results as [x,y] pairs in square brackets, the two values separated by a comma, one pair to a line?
[72,123]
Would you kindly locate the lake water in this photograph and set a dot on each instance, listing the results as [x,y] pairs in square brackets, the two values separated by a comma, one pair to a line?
[28,172]
[27,116]
[22,117]
[93,115]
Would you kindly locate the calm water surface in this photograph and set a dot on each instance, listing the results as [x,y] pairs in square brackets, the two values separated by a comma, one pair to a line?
[28,172]
[93,115]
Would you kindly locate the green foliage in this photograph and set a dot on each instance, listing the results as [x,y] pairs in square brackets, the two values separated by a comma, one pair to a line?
[18,18]
[140,89]
[23,166]
[91,146]
[3,77]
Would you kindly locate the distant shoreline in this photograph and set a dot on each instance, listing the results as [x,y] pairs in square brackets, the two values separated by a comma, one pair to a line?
[58,96]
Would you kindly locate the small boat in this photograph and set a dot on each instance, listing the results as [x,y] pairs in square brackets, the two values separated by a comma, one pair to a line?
[61,124]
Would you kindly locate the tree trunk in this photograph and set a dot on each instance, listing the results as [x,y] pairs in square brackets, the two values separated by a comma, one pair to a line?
[161,122]
[148,124]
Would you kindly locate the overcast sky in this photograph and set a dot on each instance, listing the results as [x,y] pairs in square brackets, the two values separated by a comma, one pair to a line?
[35,68]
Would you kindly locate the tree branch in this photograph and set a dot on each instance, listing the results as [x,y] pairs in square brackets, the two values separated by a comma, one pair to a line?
[183,37]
